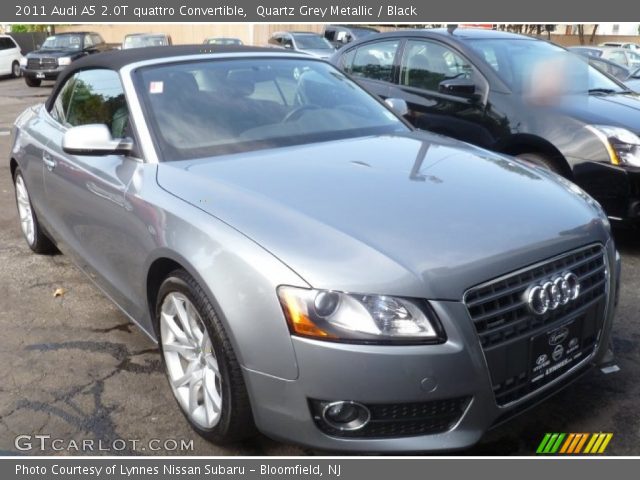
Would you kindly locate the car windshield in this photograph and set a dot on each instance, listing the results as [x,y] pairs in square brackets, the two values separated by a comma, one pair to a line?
[312,42]
[66,42]
[145,41]
[526,65]
[215,107]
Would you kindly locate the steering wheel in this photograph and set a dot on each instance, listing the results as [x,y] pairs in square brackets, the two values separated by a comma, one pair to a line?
[296,113]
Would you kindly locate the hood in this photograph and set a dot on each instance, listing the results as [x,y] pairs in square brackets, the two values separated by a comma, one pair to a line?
[408,214]
[53,53]
[617,109]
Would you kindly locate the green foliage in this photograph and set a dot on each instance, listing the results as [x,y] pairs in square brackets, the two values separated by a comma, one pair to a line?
[20,28]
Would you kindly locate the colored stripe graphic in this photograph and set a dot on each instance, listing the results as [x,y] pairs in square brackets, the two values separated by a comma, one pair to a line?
[574,443]
[543,443]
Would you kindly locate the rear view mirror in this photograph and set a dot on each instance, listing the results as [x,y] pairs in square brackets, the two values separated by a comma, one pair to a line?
[398,105]
[461,87]
[94,139]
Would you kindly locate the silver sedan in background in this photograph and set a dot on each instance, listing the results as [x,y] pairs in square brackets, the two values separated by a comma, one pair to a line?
[309,264]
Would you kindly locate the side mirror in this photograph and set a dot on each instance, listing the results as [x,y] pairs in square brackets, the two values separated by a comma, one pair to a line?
[94,139]
[461,87]
[398,105]
[288,45]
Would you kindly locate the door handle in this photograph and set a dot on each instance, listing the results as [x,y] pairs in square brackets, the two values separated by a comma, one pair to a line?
[48,161]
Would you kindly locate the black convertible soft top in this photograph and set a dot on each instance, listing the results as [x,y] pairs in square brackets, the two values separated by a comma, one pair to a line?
[116,59]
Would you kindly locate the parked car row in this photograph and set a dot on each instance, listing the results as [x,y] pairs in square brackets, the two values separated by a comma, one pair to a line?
[58,51]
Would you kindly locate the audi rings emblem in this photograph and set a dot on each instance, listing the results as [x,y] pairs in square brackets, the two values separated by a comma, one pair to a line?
[553,293]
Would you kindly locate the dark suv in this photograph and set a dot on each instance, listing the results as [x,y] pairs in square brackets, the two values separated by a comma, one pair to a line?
[57,52]
[515,95]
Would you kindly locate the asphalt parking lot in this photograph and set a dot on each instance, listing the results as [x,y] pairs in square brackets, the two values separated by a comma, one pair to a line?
[74,368]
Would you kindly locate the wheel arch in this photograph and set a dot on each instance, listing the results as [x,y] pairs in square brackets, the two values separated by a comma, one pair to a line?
[157,271]
[527,143]
[13,166]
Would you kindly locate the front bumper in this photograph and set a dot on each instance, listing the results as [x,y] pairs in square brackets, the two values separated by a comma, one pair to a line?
[400,375]
[616,187]
[50,74]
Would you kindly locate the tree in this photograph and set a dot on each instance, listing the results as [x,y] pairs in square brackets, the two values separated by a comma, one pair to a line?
[19,28]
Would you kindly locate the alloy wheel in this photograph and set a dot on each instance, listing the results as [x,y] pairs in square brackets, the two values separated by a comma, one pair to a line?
[192,366]
[27,222]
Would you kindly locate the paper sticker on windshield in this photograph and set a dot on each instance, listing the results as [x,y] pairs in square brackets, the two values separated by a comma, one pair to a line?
[156,87]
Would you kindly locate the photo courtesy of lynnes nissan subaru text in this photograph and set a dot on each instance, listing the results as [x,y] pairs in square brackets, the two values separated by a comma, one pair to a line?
[311,266]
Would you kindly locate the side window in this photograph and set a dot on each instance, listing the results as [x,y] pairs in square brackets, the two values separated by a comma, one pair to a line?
[426,64]
[330,35]
[88,41]
[97,39]
[343,36]
[375,60]
[5,43]
[346,61]
[60,106]
[619,57]
[98,97]
[287,42]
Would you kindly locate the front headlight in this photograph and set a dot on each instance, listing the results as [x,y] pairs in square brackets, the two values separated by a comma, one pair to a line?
[622,145]
[64,61]
[23,61]
[358,318]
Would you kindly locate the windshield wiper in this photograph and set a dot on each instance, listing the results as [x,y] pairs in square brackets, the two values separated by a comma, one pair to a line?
[605,91]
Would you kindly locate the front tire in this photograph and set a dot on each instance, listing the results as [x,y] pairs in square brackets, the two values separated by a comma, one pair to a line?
[15,70]
[32,82]
[540,160]
[31,230]
[201,367]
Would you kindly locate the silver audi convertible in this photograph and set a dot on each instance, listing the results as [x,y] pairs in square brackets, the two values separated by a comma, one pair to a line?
[310,266]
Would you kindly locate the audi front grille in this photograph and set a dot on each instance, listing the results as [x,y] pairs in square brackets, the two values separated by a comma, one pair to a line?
[507,326]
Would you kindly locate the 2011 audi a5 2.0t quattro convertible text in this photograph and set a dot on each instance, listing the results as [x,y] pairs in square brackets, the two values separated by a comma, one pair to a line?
[308,263]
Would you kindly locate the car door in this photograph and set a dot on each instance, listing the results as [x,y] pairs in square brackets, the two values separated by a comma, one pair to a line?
[6,55]
[86,194]
[372,65]
[445,93]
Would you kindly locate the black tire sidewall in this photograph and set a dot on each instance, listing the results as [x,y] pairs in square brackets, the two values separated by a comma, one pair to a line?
[13,70]
[540,161]
[32,82]
[179,282]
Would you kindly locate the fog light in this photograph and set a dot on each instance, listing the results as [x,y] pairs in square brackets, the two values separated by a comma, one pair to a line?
[346,415]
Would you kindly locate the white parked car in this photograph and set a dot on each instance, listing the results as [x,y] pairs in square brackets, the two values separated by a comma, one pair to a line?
[9,56]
